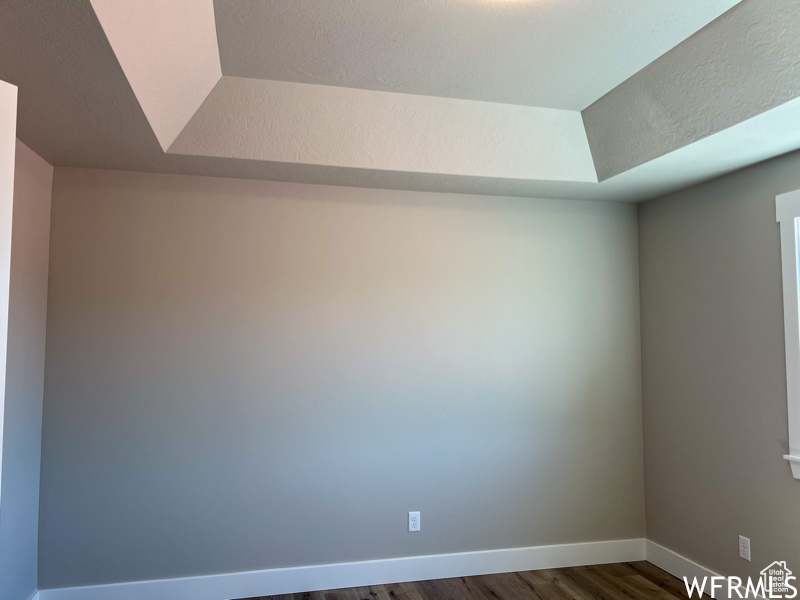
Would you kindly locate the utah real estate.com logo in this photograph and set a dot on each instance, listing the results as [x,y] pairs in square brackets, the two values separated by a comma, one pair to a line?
[776,581]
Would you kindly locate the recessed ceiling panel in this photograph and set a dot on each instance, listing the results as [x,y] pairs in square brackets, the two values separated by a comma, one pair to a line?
[548,53]
[78,108]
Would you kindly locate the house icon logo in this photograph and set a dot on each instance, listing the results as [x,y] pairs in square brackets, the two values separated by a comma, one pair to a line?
[776,579]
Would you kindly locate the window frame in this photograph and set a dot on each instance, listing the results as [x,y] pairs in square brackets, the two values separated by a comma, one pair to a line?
[787,212]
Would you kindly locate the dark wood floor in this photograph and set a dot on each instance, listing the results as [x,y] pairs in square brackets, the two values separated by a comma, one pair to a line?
[623,581]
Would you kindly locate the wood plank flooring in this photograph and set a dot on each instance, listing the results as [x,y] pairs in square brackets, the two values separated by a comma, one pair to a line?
[622,581]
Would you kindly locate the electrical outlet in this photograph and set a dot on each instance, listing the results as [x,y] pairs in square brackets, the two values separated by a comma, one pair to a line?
[413,520]
[744,547]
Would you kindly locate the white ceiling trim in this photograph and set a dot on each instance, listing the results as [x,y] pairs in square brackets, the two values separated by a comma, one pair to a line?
[343,127]
[168,50]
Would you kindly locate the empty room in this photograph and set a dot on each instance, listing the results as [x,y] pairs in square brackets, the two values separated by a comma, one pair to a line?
[399,299]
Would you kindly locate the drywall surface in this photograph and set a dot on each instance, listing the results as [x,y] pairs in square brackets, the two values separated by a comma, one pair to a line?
[714,383]
[84,114]
[22,441]
[168,50]
[8,145]
[743,64]
[244,375]
[510,52]
[324,125]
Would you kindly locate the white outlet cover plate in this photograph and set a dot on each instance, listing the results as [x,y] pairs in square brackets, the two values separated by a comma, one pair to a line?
[744,547]
[413,521]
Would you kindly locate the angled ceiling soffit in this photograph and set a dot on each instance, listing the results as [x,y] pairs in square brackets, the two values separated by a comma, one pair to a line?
[727,79]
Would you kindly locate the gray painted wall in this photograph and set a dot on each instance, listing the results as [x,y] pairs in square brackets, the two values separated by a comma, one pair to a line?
[19,512]
[244,375]
[715,409]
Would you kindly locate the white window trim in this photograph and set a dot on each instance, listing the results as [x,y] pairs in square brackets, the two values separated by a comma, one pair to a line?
[787,209]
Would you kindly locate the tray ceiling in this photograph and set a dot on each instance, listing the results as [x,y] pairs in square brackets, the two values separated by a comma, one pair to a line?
[611,100]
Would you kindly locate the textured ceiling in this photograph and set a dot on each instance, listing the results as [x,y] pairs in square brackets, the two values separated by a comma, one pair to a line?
[169,53]
[744,64]
[548,53]
[77,108]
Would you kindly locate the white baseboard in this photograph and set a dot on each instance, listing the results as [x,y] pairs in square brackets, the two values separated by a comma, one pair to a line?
[374,572]
[674,563]
[680,566]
